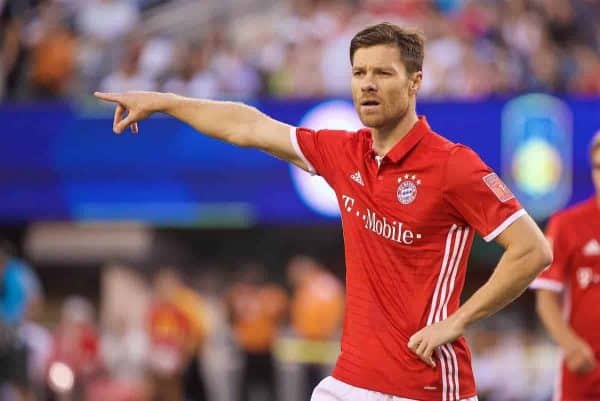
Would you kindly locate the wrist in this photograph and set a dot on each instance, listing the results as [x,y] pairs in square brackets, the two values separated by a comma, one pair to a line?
[570,342]
[461,319]
[166,102]
[459,322]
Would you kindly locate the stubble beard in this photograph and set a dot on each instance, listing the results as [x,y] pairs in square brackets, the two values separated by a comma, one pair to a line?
[382,123]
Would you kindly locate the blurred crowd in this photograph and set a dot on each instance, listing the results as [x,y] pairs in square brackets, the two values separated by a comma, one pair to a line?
[167,334]
[297,48]
[170,335]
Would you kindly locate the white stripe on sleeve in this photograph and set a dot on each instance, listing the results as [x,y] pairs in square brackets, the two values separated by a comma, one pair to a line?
[547,284]
[296,146]
[511,219]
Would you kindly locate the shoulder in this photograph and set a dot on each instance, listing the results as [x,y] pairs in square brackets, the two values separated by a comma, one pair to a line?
[443,148]
[343,140]
[358,136]
[579,212]
[460,164]
[326,132]
[462,154]
[333,136]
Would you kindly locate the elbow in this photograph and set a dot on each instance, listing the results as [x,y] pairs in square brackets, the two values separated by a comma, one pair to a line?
[240,136]
[244,132]
[547,256]
[543,255]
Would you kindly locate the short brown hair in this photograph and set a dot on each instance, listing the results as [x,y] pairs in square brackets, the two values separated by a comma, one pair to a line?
[410,42]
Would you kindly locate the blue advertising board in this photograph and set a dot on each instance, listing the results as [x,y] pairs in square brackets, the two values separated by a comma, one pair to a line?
[61,163]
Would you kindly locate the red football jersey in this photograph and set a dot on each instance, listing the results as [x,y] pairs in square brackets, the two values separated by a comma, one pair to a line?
[575,271]
[408,221]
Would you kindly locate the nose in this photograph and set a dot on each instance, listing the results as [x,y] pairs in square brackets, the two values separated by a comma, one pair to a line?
[368,85]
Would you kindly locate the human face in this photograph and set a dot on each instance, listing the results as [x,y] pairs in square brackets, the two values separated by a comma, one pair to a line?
[596,170]
[381,89]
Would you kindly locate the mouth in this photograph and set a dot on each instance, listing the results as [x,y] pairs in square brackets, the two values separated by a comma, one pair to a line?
[369,106]
[369,103]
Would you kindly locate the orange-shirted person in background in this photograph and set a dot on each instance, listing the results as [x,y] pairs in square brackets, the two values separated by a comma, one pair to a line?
[177,327]
[256,309]
[316,314]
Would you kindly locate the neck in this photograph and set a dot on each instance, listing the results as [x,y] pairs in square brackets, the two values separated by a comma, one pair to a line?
[385,138]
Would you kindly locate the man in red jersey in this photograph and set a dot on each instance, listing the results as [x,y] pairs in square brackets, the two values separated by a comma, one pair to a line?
[568,293]
[411,201]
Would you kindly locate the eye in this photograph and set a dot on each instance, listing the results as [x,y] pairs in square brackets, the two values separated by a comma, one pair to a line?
[357,73]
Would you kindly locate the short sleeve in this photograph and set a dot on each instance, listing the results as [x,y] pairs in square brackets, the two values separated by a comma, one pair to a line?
[478,195]
[554,276]
[320,150]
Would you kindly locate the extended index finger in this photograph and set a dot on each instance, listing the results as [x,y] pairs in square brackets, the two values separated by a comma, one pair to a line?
[108,96]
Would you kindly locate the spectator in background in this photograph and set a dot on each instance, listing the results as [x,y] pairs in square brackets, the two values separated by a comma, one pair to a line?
[256,311]
[477,49]
[500,357]
[195,308]
[74,349]
[157,56]
[52,54]
[18,290]
[544,70]
[177,328]
[124,352]
[37,338]
[124,343]
[316,313]
[229,62]
[193,76]
[107,20]
[12,53]
[586,80]
[129,76]
[561,22]
[147,4]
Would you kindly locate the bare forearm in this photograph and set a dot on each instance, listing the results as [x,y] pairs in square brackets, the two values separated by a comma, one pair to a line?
[549,310]
[514,273]
[228,121]
[527,253]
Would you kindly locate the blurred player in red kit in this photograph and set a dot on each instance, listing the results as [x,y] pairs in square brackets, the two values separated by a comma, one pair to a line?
[568,293]
[410,201]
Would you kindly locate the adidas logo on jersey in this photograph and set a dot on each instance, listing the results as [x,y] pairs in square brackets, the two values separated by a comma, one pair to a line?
[357,178]
[592,248]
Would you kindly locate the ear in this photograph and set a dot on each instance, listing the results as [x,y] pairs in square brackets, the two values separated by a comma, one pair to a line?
[415,82]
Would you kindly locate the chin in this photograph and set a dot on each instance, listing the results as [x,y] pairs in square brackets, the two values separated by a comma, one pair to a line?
[372,121]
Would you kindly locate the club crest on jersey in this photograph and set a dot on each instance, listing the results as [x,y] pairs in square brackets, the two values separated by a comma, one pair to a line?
[407,189]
